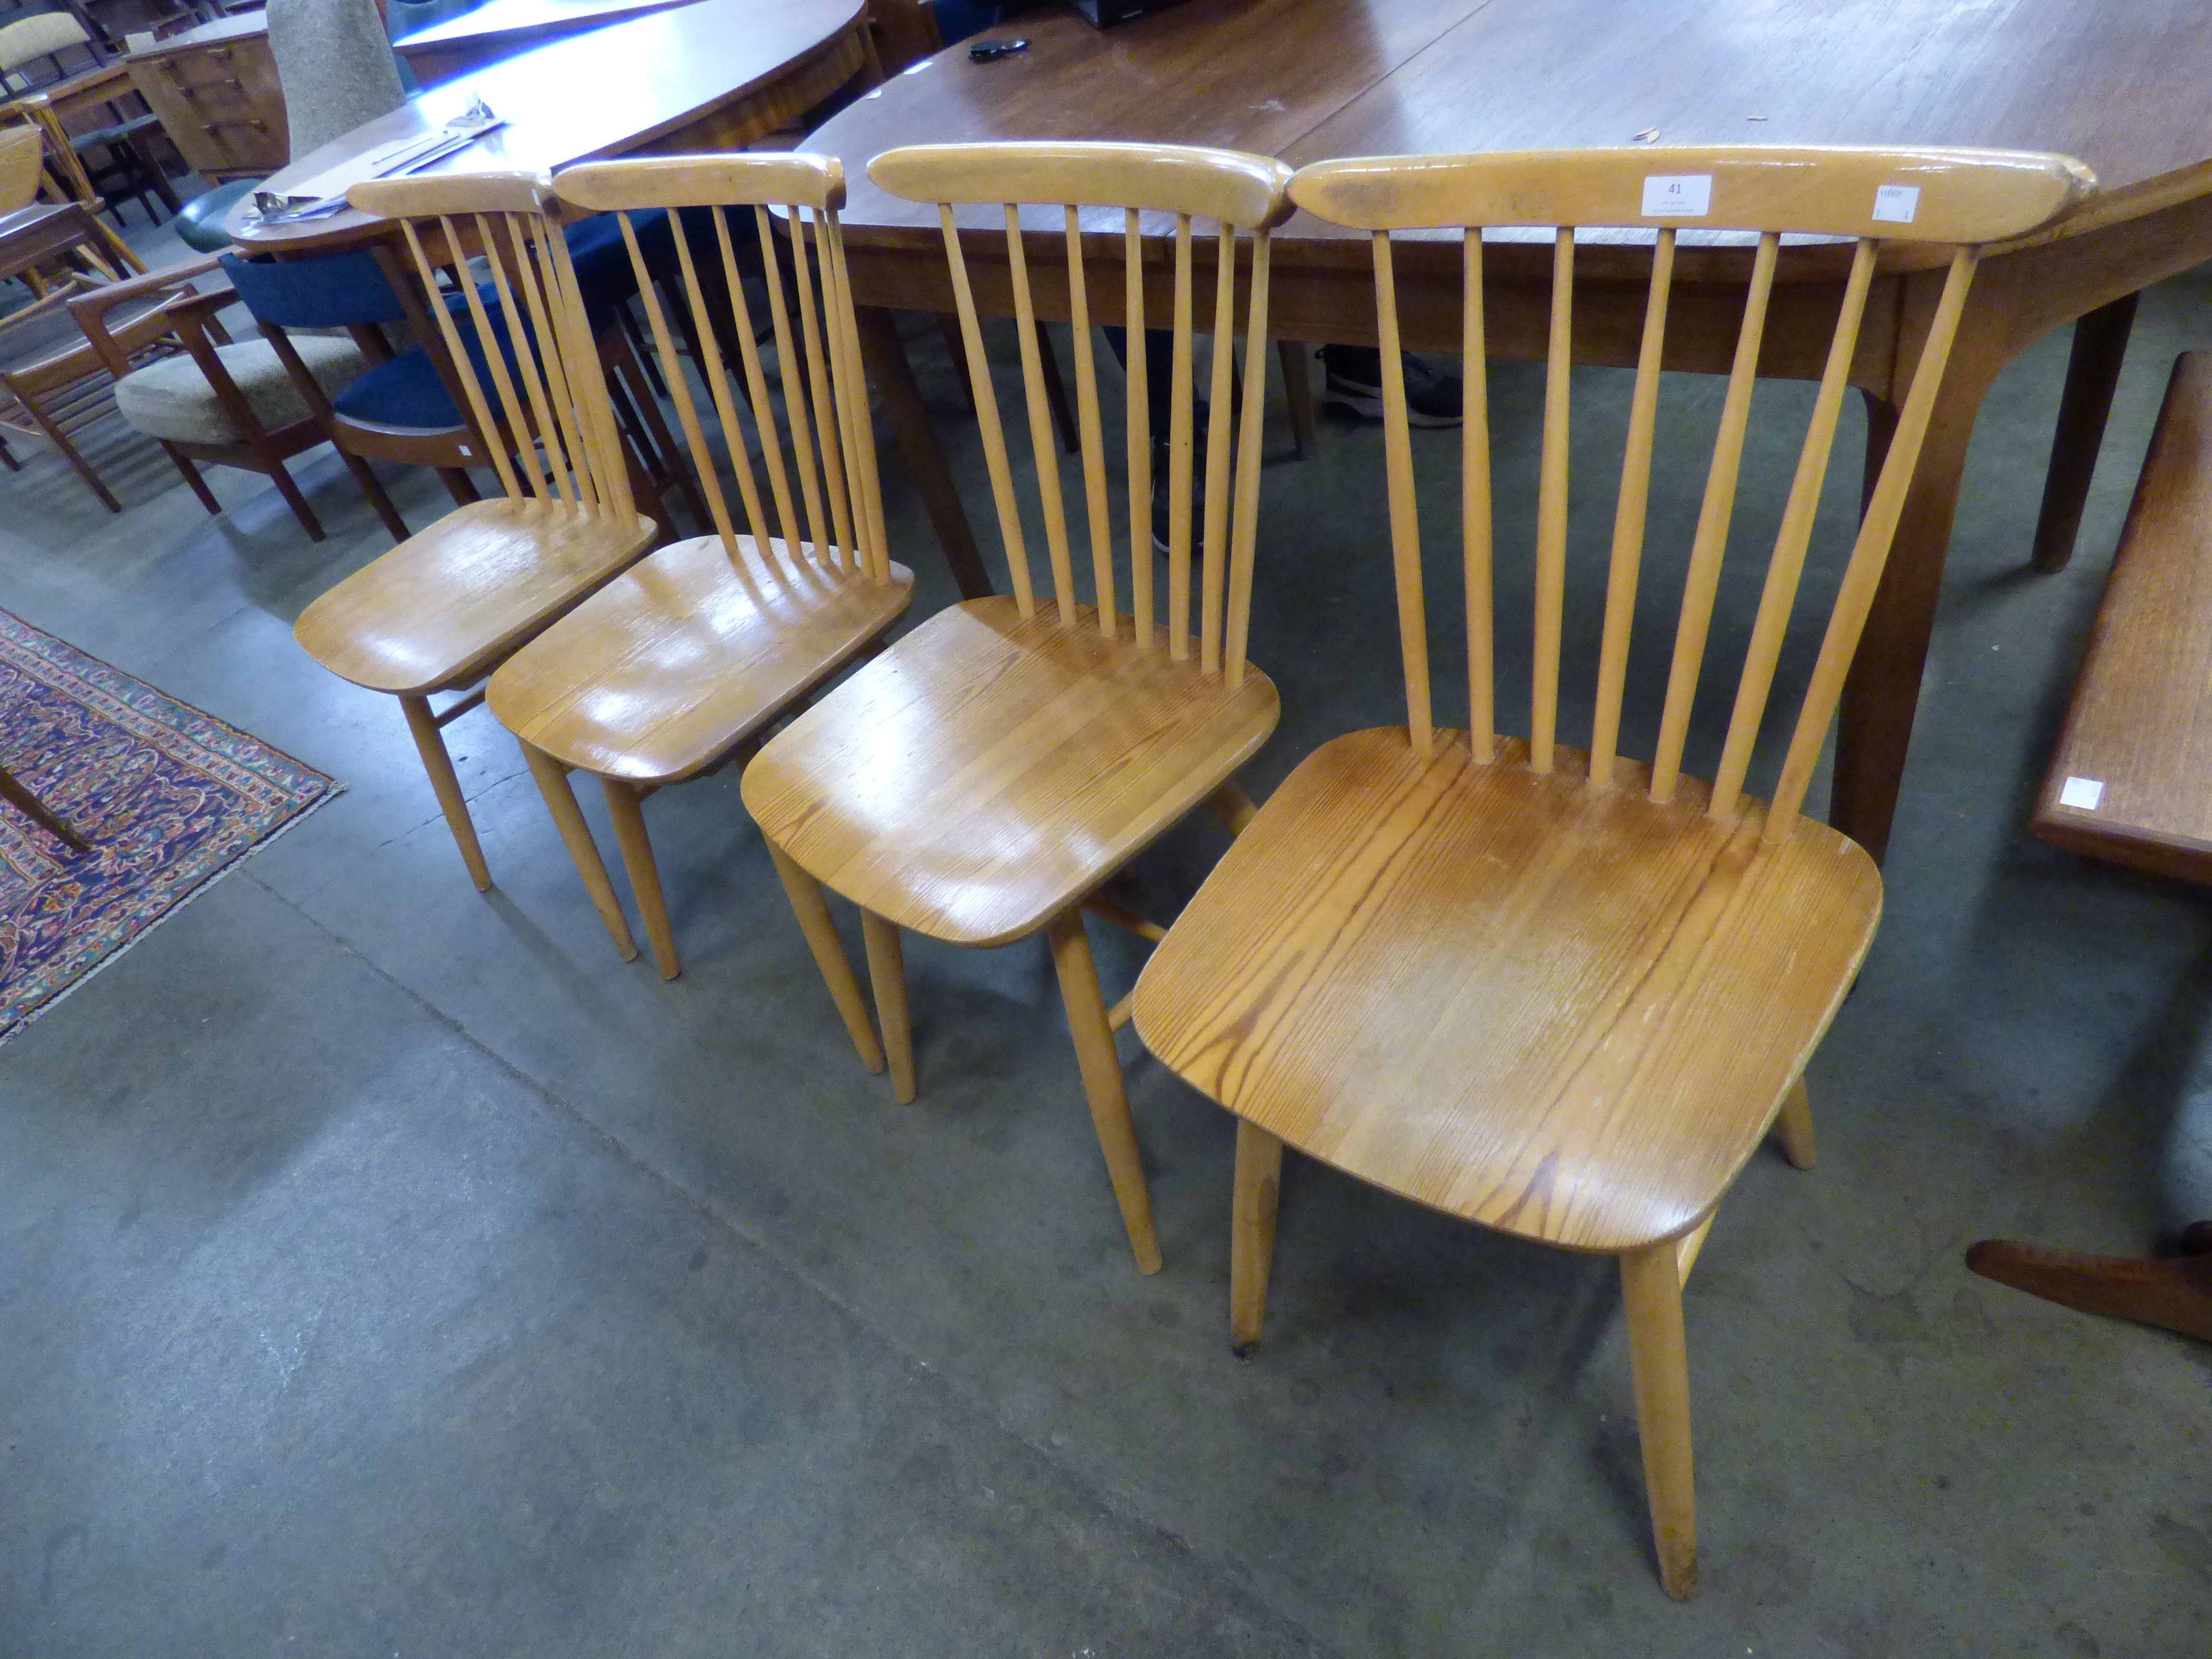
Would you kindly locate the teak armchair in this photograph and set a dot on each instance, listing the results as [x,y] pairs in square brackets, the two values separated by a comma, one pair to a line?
[1551,991]
[687,657]
[209,397]
[981,779]
[446,606]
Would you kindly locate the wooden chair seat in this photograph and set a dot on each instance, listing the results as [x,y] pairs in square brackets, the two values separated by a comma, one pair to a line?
[666,669]
[1500,993]
[449,603]
[987,771]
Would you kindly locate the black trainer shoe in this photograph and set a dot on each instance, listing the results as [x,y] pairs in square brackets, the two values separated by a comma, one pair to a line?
[1355,384]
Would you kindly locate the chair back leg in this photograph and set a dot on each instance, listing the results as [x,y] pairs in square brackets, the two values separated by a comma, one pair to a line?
[430,743]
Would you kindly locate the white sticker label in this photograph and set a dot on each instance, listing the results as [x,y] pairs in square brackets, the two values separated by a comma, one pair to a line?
[1896,203]
[2084,792]
[1685,195]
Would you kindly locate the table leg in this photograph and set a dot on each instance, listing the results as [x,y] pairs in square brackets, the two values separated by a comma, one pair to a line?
[2175,1295]
[1883,692]
[893,377]
[2092,370]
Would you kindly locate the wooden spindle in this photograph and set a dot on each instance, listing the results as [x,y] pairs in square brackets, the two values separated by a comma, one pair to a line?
[1139,420]
[718,388]
[860,423]
[1628,520]
[1405,512]
[597,409]
[1179,449]
[518,424]
[756,392]
[528,348]
[787,360]
[464,371]
[671,369]
[1877,528]
[987,418]
[833,543]
[1088,429]
[1552,507]
[535,276]
[1244,527]
[1042,440]
[1703,581]
[1475,532]
[1787,567]
[813,387]
[1213,567]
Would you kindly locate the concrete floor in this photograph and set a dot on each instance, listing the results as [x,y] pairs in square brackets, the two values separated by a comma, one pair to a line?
[390,1270]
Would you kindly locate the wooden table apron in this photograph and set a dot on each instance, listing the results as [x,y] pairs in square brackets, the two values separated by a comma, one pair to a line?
[1414,83]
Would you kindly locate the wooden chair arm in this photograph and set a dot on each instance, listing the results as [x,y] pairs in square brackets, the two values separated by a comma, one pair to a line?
[189,309]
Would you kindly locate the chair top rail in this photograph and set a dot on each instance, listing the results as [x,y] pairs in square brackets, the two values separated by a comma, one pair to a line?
[1945,195]
[428,197]
[1228,186]
[795,179]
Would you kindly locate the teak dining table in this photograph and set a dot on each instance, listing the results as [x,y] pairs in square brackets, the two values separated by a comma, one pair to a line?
[500,28]
[2119,87]
[712,76]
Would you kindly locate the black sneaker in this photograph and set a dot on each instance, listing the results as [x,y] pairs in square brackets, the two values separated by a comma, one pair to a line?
[1355,384]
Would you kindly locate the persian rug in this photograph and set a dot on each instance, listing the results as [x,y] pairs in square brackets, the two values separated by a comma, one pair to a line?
[167,798]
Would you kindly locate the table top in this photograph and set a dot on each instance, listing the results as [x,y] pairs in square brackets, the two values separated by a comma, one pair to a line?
[523,19]
[2120,87]
[209,34]
[605,94]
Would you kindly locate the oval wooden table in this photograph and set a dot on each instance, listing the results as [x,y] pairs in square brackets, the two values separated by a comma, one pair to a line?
[715,74]
[2119,87]
[502,28]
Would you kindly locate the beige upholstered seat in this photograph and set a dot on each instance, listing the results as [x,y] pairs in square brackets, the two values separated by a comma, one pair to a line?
[172,399]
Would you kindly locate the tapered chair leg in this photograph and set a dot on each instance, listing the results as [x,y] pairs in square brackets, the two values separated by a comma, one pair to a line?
[192,478]
[814,913]
[1101,1082]
[887,973]
[430,743]
[576,835]
[296,500]
[373,488]
[626,806]
[1659,1360]
[1793,1124]
[1252,1234]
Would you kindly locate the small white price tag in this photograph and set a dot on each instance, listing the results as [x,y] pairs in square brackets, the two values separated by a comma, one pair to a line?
[2082,793]
[1686,194]
[1896,203]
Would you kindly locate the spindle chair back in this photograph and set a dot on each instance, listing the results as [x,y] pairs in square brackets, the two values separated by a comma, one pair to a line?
[1243,197]
[1956,200]
[444,607]
[1624,968]
[683,662]
[982,779]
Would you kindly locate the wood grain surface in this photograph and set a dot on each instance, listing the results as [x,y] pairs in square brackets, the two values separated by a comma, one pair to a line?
[687,654]
[710,75]
[1567,1013]
[451,601]
[505,28]
[1305,81]
[894,792]
[2140,725]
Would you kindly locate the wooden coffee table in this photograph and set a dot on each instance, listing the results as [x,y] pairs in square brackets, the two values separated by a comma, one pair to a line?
[2121,87]
[715,74]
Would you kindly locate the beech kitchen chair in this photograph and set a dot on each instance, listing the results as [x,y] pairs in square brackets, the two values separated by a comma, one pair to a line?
[1559,994]
[980,780]
[450,603]
[686,658]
